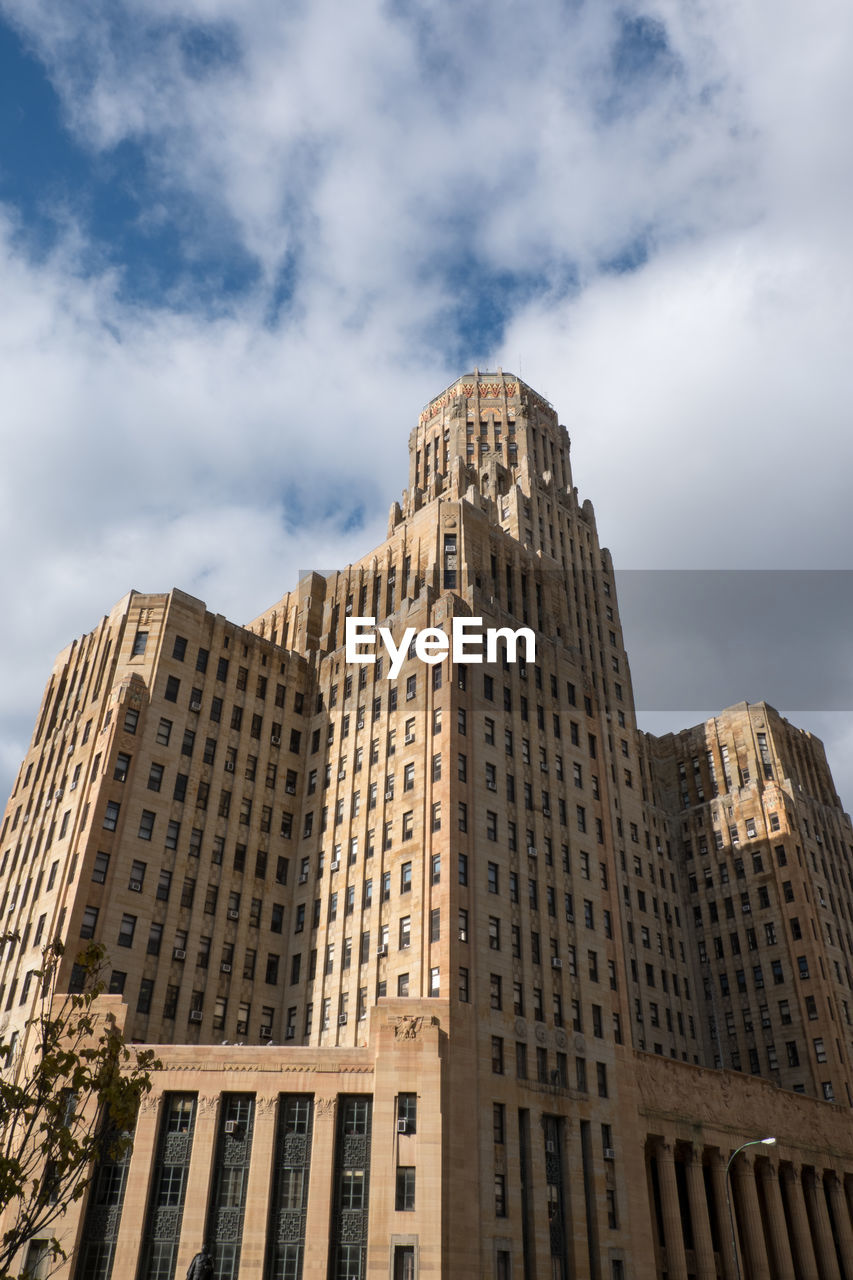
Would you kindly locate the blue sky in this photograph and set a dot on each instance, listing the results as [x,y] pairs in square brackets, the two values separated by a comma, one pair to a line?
[224,227]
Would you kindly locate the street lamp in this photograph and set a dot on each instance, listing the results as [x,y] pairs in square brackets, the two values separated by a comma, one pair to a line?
[756,1142]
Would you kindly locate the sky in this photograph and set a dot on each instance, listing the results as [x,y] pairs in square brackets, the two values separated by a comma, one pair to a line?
[241,246]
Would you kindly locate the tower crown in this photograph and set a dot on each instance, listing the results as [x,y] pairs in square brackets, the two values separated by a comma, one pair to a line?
[495,429]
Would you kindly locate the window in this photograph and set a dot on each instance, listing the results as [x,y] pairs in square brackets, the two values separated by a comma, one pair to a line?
[146,824]
[89,922]
[500,1195]
[126,931]
[405,1198]
[407,1111]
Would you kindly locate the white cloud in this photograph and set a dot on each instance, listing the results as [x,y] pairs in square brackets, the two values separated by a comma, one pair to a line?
[377,151]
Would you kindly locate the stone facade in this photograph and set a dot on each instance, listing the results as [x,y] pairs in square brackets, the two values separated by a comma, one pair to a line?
[483,979]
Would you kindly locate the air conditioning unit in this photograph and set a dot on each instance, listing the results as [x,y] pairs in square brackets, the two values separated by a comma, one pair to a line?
[389,795]
[342,773]
[303,877]
[195,705]
[225,968]
[556,962]
[550,1148]
[402,1126]
[289,1032]
[463,935]
[229,766]
[493,786]
[230,1126]
[179,954]
[546,813]
[136,886]
[233,915]
[275,740]
[57,795]
[382,950]
[342,1019]
[196,1015]
[543,766]
[266,1032]
[410,693]
[242,1028]
[570,916]
[333,866]
[410,737]
[359,724]
[531,851]
[609,1153]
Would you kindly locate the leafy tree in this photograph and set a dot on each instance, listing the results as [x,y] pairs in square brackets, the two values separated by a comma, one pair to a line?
[70,1091]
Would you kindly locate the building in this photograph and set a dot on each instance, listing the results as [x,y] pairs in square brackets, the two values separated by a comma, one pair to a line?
[453,971]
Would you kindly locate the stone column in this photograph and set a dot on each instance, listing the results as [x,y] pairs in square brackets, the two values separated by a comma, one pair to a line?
[838,1201]
[824,1243]
[702,1244]
[803,1247]
[254,1239]
[780,1247]
[743,1176]
[676,1261]
[724,1221]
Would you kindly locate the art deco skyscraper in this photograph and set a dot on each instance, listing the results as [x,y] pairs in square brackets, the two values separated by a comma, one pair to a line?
[280,847]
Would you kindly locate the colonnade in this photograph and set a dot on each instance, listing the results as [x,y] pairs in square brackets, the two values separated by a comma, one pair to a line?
[787,1219]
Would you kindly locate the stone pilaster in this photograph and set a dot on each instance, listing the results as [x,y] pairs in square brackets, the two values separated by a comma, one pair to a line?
[198,1182]
[257,1192]
[136,1190]
[318,1220]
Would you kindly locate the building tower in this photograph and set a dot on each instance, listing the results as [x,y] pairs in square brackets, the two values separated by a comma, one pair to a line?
[283,849]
